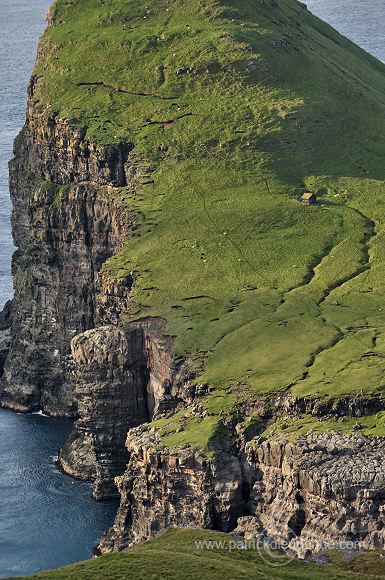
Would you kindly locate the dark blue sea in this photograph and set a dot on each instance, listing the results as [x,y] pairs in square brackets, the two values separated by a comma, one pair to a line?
[363,21]
[46,518]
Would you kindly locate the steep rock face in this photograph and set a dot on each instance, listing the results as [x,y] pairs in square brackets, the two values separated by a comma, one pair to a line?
[162,489]
[124,376]
[5,333]
[65,226]
[111,386]
[323,491]
[68,219]
[54,151]
[349,406]
[169,382]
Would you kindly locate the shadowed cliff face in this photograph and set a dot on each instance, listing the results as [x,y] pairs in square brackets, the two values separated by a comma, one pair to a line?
[68,219]
[5,334]
[111,388]
[323,492]
[124,377]
[65,227]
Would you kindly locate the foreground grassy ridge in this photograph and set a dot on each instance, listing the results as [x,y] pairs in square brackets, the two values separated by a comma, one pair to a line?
[178,554]
[264,294]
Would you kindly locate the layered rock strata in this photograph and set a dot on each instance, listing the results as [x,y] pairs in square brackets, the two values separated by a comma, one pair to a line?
[67,220]
[324,491]
[65,348]
[111,386]
[67,351]
[118,376]
[5,334]
[124,377]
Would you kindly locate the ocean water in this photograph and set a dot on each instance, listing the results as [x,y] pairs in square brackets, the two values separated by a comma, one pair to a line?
[363,21]
[46,518]
[21,23]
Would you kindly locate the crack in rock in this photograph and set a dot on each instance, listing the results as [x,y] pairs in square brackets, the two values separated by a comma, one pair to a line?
[119,89]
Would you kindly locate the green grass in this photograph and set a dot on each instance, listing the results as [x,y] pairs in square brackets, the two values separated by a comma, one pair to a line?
[256,288]
[178,554]
[292,428]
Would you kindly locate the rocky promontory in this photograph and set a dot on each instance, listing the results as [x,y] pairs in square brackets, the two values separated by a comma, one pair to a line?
[322,492]
[218,342]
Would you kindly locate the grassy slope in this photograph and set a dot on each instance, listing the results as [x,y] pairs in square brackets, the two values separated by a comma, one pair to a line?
[280,103]
[177,555]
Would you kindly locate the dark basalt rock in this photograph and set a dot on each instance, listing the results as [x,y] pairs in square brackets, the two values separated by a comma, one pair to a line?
[124,377]
[65,348]
[65,227]
[5,333]
[68,219]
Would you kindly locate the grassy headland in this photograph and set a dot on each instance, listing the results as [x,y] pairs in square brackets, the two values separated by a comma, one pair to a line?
[236,109]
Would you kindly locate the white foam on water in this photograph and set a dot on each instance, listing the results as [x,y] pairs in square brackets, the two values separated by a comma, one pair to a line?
[39,413]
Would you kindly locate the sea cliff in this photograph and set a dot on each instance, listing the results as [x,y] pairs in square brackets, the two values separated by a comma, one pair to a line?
[219,343]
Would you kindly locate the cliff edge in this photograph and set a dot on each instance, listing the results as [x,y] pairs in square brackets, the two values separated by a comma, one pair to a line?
[219,341]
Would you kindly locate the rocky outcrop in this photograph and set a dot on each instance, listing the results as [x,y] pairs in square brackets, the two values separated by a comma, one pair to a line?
[324,491]
[333,408]
[124,377]
[161,488]
[68,218]
[65,348]
[5,333]
[53,150]
[111,387]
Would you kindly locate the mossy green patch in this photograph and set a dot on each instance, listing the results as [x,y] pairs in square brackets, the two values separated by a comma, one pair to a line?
[204,431]
[54,192]
[292,428]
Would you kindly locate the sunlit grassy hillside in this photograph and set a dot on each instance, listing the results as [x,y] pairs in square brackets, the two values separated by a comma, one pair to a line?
[235,109]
